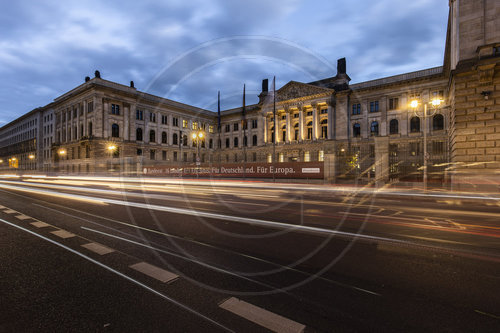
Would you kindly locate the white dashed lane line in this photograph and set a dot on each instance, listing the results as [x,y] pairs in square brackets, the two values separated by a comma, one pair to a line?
[9,211]
[155,272]
[63,234]
[262,317]
[2,207]
[40,224]
[22,217]
[98,248]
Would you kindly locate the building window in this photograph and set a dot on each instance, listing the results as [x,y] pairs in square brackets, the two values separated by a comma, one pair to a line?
[210,128]
[175,156]
[374,128]
[393,103]
[321,155]
[227,142]
[90,129]
[309,113]
[438,122]
[236,142]
[307,157]
[152,154]
[272,134]
[245,125]
[164,119]
[437,147]
[323,111]
[152,117]
[254,123]
[283,133]
[374,106]
[309,130]
[281,157]
[115,131]
[194,126]
[184,123]
[139,152]
[414,148]
[152,136]
[139,115]
[175,139]
[228,128]
[138,134]
[296,131]
[184,140]
[164,155]
[393,126]
[164,137]
[415,124]
[254,140]
[356,108]
[90,107]
[296,115]
[254,157]
[245,141]
[356,130]
[175,122]
[269,158]
[115,109]
[210,143]
[324,129]
[235,126]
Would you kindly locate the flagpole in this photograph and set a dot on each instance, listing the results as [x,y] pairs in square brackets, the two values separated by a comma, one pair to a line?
[244,133]
[274,132]
[219,145]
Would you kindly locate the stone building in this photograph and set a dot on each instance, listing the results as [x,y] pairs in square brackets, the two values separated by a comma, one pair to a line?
[363,131]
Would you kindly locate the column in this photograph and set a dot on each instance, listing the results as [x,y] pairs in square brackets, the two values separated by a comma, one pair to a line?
[315,122]
[288,126]
[78,134]
[158,131]
[85,110]
[264,121]
[301,123]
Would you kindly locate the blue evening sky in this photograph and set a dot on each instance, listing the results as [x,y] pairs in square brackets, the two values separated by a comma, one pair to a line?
[187,50]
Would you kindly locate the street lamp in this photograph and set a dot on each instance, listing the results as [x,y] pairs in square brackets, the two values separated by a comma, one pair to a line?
[435,103]
[197,136]
[112,149]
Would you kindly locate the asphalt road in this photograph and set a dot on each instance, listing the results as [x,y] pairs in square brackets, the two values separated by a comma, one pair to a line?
[114,255]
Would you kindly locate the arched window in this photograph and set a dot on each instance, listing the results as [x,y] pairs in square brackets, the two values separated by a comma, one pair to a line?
[90,129]
[227,142]
[138,134]
[283,133]
[115,131]
[415,124]
[164,137]
[245,141]
[254,140]
[152,136]
[296,131]
[184,140]
[235,142]
[356,130]
[175,139]
[324,129]
[210,143]
[438,122]
[374,128]
[393,126]
[309,130]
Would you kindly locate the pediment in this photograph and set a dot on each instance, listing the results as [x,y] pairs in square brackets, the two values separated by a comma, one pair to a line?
[296,90]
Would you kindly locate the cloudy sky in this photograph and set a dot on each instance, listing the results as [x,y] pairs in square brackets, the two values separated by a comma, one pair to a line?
[187,50]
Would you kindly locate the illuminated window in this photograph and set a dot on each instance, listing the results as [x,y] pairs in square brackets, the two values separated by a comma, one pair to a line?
[184,123]
[195,125]
[269,158]
[307,157]
[281,157]
[321,156]
[211,128]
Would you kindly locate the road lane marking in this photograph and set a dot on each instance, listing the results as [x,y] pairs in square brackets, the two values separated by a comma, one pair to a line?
[436,240]
[262,317]
[487,314]
[63,234]
[126,277]
[40,224]
[98,248]
[22,217]
[155,272]
[9,211]
[2,207]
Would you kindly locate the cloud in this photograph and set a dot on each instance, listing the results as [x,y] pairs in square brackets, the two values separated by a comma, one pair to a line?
[48,47]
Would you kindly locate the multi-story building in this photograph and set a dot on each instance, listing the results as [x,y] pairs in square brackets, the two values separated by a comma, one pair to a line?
[366,130]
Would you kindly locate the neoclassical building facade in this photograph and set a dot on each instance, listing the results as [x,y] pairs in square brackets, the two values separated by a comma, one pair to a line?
[382,130]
